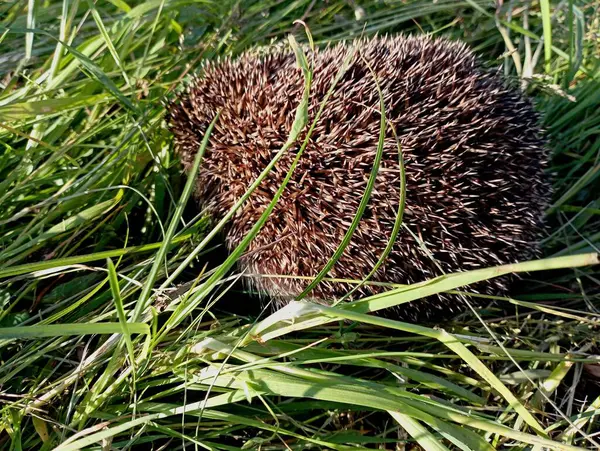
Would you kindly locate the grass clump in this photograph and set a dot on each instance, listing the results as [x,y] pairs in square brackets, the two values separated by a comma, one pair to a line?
[111,335]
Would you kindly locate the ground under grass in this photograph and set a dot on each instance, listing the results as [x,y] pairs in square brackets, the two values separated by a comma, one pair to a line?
[112,338]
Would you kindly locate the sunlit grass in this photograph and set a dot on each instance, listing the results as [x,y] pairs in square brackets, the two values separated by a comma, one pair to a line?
[114,328]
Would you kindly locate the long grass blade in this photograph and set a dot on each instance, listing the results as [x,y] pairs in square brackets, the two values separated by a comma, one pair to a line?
[116,292]
[61,330]
[162,251]
[547,24]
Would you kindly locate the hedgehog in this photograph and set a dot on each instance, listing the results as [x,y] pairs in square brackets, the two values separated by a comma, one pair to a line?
[473,151]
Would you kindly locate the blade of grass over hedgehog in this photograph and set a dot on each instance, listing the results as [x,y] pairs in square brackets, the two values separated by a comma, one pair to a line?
[267,330]
[455,280]
[556,311]
[364,201]
[300,121]
[396,227]
[184,309]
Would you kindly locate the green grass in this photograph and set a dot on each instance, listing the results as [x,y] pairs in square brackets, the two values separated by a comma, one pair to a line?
[111,331]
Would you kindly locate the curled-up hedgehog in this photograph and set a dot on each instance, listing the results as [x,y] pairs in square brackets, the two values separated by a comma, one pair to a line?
[473,151]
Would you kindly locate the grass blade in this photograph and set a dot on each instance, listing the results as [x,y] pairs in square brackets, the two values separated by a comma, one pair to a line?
[304,316]
[31,12]
[116,292]
[547,25]
[162,251]
[61,330]
[417,431]
[363,202]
